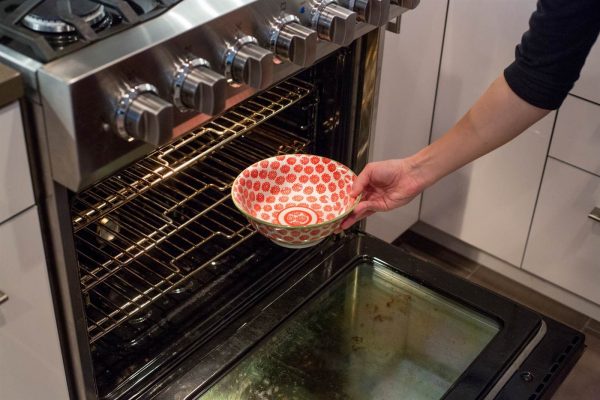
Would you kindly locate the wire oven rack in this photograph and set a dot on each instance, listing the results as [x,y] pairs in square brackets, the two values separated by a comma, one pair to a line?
[91,205]
[143,233]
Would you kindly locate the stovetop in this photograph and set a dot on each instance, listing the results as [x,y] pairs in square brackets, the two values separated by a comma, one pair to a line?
[48,29]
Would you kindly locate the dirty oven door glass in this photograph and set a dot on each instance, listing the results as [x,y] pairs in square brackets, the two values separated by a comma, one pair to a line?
[374,334]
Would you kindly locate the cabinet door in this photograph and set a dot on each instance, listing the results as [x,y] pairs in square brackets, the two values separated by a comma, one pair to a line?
[576,138]
[489,203]
[16,193]
[564,246]
[408,79]
[588,85]
[31,365]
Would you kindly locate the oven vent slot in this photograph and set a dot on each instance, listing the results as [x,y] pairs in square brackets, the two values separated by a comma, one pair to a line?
[91,205]
[176,227]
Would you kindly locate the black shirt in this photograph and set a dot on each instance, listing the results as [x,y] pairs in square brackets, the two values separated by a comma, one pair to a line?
[552,53]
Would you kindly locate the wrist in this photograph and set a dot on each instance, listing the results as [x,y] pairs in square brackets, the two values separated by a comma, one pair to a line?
[420,170]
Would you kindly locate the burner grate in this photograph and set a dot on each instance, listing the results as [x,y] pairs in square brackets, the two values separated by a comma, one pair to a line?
[68,31]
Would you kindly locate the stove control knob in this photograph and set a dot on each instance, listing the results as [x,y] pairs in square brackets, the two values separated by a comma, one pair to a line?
[294,42]
[333,22]
[142,115]
[199,88]
[373,12]
[247,62]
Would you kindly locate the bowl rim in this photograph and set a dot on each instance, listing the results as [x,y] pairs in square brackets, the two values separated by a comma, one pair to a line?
[288,227]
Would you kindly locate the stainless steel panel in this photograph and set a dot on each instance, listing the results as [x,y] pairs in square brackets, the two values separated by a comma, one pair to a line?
[80,90]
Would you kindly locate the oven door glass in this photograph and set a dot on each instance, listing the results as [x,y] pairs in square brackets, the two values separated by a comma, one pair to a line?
[373,334]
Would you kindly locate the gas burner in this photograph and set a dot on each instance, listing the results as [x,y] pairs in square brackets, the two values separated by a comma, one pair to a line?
[45,17]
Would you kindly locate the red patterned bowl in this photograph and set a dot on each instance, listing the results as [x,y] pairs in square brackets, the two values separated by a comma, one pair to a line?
[296,200]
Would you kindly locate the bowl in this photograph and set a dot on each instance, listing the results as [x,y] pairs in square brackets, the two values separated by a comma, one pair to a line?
[296,200]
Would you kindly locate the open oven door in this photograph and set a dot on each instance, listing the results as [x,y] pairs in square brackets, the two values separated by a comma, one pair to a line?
[364,320]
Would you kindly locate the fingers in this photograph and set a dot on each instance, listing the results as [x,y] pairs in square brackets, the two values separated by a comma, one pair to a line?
[349,221]
[362,210]
[354,218]
[362,180]
[365,206]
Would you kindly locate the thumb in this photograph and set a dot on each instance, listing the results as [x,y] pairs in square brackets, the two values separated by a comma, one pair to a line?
[354,218]
[362,210]
[365,206]
[361,181]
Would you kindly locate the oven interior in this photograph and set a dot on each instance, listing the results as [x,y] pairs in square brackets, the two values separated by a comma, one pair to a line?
[165,259]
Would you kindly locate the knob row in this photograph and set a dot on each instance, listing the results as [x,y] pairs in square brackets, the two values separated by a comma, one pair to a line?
[142,114]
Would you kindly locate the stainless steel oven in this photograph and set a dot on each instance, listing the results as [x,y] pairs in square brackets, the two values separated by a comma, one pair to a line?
[140,116]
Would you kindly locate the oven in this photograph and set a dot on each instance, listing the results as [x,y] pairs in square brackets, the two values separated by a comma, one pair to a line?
[165,260]
[163,290]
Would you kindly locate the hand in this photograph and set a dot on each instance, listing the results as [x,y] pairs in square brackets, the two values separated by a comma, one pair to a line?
[384,185]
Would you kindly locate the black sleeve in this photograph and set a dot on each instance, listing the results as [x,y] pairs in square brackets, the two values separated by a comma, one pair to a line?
[552,53]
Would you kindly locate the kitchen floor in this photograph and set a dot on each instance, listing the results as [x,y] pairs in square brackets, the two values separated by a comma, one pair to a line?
[583,383]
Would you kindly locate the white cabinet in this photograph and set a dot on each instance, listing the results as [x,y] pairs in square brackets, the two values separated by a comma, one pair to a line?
[564,246]
[488,204]
[576,138]
[406,98]
[16,193]
[588,85]
[31,365]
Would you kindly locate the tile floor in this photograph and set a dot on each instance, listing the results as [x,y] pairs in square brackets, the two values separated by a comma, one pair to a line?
[583,383]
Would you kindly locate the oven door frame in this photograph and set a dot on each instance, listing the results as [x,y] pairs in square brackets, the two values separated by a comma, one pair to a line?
[525,339]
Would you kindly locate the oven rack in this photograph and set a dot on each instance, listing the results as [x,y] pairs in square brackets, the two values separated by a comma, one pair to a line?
[151,245]
[91,205]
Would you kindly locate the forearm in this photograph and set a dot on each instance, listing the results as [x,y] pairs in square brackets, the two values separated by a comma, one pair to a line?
[496,118]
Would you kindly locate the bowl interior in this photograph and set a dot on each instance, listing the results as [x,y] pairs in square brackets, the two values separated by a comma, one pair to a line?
[294,190]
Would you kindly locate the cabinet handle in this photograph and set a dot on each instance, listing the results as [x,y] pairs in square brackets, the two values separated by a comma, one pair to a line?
[3,297]
[595,214]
